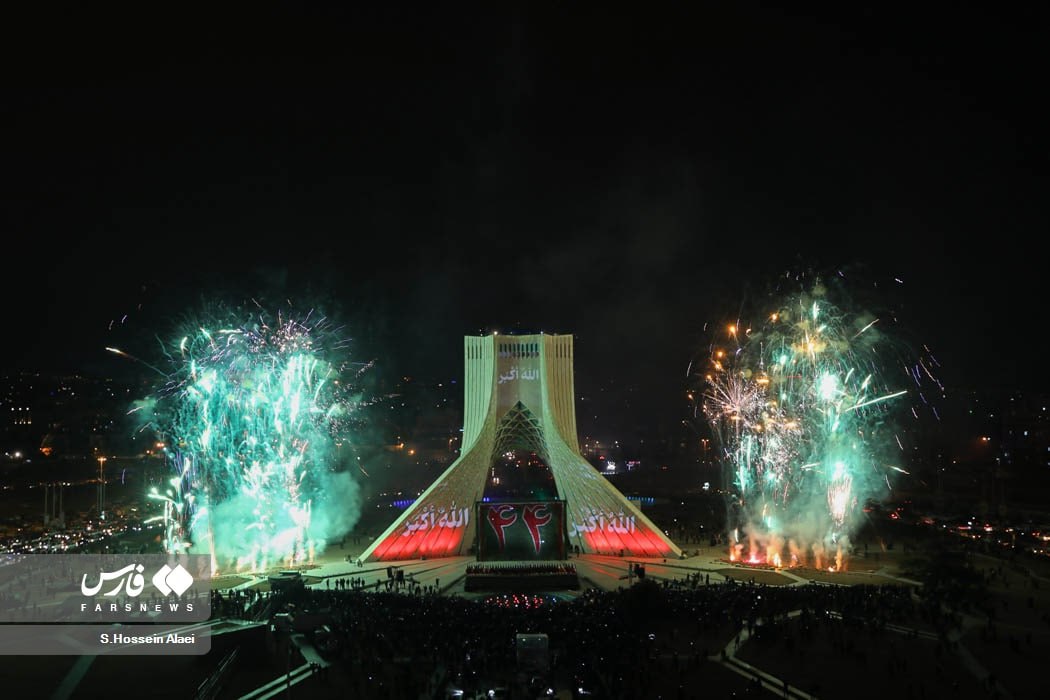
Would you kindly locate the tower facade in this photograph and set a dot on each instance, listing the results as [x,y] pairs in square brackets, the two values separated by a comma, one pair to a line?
[518,395]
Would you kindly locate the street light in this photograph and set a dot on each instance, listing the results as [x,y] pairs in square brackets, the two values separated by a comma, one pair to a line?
[101,489]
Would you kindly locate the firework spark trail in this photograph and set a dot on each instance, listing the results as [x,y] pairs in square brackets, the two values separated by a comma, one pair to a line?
[255,412]
[802,410]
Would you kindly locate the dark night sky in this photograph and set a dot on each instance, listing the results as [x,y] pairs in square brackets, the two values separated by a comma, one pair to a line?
[626,178]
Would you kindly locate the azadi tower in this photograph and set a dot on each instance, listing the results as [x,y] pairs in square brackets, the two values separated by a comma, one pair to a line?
[518,395]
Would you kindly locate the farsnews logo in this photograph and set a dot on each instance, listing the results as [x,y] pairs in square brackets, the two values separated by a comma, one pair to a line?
[124,587]
[167,580]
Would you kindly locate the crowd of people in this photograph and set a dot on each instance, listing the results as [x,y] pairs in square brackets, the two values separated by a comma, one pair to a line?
[248,604]
[396,645]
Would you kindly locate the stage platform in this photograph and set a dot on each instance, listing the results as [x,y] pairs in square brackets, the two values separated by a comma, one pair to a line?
[521,577]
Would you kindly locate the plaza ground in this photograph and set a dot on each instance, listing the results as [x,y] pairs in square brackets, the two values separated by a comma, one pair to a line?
[904,662]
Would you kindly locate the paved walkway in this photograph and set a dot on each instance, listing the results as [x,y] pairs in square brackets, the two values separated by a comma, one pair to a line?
[728,659]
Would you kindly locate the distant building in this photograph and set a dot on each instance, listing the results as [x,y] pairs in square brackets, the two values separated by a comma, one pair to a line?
[64,415]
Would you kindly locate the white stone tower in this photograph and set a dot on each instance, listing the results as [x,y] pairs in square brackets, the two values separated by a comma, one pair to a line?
[518,395]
